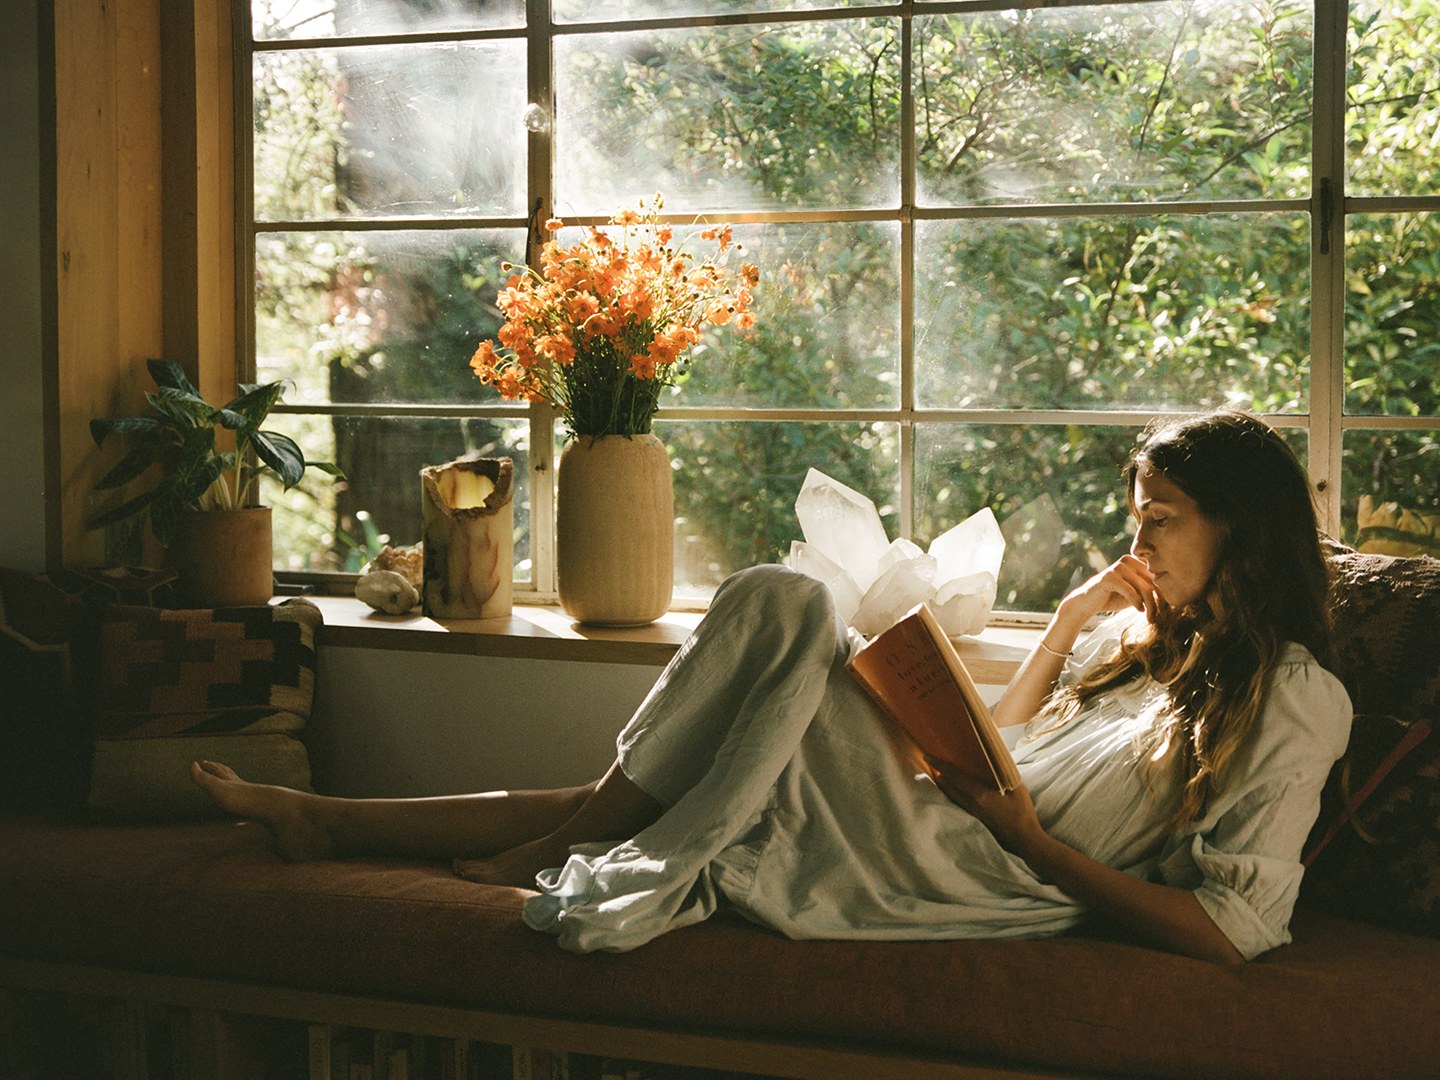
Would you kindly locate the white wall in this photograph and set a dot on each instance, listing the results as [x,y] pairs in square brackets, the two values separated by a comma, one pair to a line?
[22,471]
[399,724]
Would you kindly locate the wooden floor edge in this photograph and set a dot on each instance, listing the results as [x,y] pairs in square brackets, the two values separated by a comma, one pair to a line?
[798,1059]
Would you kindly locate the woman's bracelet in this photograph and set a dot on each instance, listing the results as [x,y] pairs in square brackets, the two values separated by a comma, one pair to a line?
[1052,652]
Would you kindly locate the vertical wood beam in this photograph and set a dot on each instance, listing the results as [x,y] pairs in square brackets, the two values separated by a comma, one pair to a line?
[106,239]
[142,236]
[198,212]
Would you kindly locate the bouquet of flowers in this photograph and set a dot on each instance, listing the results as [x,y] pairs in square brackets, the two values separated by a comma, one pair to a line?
[607,324]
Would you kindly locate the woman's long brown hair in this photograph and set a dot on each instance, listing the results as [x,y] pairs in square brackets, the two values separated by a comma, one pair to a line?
[1269,587]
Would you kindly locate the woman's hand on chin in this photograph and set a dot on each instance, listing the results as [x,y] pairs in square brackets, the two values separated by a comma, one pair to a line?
[1127,582]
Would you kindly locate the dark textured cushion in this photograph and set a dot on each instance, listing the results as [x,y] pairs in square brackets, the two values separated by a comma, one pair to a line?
[230,684]
[47,661]
[1344,1001]
[1374,853]
[1386,617]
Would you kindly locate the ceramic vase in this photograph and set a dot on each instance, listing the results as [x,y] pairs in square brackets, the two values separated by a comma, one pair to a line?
[224,557]
[615,530]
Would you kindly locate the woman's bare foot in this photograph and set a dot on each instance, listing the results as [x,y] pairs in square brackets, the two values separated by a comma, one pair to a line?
[518,866]
[293,817]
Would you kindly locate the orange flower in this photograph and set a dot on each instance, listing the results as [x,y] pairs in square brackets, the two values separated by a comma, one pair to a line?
[612,316]
[484,361]
[508,383]
[556,346]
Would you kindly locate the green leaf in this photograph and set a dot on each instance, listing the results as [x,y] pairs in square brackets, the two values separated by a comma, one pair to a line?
[165,514]
[254,403]
[183,408]
[129,467]
[100,430]
[169,375]
[282,454]
[128,509]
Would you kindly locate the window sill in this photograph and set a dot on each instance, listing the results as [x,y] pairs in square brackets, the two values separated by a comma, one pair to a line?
[540,632]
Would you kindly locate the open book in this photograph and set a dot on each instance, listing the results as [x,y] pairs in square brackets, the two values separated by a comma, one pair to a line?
[915,675]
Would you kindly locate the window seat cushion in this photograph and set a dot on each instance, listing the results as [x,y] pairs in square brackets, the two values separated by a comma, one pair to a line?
[210,899]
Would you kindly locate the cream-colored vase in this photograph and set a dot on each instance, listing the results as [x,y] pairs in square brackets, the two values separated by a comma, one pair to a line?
[615,530]
[224,557]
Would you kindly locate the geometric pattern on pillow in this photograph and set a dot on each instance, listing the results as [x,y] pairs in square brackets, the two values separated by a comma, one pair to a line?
[206,671]
[234,685]
[1385,618]
[1374,852]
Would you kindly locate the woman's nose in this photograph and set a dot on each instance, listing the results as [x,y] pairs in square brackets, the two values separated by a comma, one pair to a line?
[1141,544]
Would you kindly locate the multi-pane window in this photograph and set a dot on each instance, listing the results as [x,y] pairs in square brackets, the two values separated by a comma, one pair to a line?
[994,240]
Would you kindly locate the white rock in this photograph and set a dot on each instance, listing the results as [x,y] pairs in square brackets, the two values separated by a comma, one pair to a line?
[808,560]
[387,591]
[894,593]
[874,583]
[842,525]
[963,606]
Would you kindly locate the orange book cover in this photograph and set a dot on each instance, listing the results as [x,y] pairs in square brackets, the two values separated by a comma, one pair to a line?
[918,679]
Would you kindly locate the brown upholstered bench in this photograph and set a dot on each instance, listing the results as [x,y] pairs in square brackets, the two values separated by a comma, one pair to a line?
[211,905]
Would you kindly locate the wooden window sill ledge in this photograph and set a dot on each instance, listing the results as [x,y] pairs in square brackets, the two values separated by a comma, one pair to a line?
[542,632]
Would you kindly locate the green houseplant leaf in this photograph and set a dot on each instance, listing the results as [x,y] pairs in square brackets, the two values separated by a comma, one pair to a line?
[180,438]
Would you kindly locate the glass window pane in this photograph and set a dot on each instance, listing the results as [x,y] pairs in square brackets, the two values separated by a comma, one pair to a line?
[1056,491]
[1175,312]
[736,484]
[616,10]
[274,20]
[827,323]
[1141,101]
[325,524]
[1392,315]
[750,117]
[1393,98]
[1390,492]
[430,130]
[378,316]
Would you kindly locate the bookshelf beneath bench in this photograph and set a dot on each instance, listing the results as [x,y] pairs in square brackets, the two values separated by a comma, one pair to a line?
[62,1021]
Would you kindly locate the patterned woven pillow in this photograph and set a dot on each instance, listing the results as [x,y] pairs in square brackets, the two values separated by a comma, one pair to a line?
[1374,853]
[231,684]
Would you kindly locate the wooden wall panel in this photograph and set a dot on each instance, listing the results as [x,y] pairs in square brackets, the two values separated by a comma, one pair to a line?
[144,224]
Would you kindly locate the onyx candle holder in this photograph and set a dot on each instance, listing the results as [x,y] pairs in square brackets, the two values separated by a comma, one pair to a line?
[469,531]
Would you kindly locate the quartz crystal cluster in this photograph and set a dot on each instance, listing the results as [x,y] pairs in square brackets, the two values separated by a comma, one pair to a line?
[875,581]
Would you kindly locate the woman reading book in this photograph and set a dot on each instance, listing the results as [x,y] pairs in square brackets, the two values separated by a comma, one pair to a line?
[1172,758]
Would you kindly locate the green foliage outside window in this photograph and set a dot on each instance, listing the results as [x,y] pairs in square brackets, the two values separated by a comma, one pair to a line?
[1113,309]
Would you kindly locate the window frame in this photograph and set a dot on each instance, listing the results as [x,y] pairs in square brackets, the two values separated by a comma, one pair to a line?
[1329,208]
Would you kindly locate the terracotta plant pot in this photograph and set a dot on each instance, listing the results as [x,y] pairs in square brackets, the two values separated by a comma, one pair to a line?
[224,557]
[615,530]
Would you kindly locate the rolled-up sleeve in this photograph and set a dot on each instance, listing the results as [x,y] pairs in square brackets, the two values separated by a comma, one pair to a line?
[1242,858]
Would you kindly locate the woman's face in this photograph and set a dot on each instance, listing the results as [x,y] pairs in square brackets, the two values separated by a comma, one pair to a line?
[1178,543]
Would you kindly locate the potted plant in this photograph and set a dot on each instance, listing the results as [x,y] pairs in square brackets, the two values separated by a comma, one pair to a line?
[203,510]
